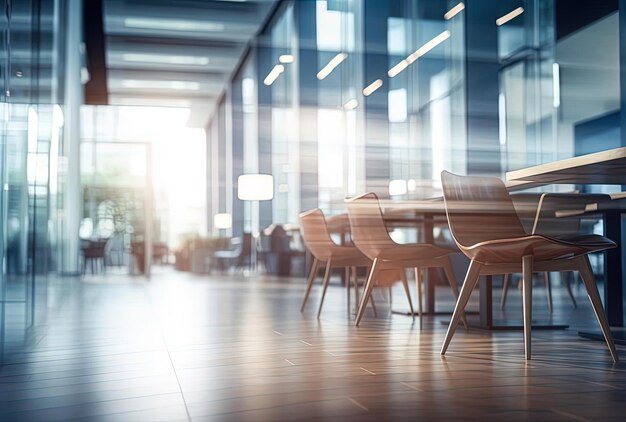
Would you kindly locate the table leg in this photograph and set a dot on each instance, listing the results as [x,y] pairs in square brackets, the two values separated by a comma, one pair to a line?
[613,293]
[485,289]
[485,320]
[430,278]
[613,281]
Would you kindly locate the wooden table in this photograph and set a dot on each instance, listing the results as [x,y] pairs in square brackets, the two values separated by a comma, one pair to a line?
[605,168]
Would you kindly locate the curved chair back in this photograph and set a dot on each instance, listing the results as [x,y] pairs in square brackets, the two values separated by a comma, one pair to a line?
[367,226]
[479,209]
[315,234]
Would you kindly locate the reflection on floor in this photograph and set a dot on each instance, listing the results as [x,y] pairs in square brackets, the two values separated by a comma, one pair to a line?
[231,348]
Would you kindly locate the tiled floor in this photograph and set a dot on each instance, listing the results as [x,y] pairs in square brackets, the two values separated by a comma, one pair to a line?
[230,348]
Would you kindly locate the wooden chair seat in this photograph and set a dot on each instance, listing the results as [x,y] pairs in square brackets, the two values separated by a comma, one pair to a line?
[542,248]
[411,253]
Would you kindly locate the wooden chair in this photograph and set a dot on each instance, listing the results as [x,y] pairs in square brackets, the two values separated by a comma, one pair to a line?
[487,229]
[370,235]
[318,241]
[555,215]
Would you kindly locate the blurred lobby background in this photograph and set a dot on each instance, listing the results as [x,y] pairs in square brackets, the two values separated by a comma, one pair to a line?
[126,124]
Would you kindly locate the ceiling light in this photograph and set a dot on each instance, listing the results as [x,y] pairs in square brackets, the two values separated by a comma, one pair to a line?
[286,58]
[397,68]
[173,24]
[454,11]
[368,90]
[165,58]
[274,73]
[146,84]
[223,221]
[511,15]
[332,64]
[428,46]
[397,187]
[351,104]
[556,85]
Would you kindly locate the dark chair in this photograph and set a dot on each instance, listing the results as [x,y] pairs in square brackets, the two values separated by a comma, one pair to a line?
[93,252]
[487,229]
[237,257]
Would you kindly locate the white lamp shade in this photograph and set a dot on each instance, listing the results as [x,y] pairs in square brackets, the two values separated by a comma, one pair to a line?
[255,187]
[223,221]
[397,187]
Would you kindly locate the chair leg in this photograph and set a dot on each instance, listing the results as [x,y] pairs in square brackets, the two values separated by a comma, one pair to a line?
[471,278]
[505,290]
[568,287]
[418,288]
[546,276]
[309,282]
[527,293]
[405,283]
[447,268]
[325,285]
[371,280]
[592,291]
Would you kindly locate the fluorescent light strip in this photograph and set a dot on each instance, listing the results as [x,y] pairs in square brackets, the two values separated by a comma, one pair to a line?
[286,58]
[428,46]
[332,64]
[146,84]
[369,90]
[165,58]
[173,24]
[454,11]
[556,85]
[274,73]
[502,119]
[351,104]
[511,15]
[397,68]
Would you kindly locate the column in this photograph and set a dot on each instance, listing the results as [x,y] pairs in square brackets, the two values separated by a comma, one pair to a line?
[72,198]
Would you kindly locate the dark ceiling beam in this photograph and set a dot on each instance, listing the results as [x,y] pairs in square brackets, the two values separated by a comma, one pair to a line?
[151,40]
[96,92]
[572,15]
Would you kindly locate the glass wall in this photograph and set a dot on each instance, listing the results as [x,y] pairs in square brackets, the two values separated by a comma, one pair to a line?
[339,97]
[527,105]
[340,106]
[31,126]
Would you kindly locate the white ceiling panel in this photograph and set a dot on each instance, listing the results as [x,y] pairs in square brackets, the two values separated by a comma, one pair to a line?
[177,53]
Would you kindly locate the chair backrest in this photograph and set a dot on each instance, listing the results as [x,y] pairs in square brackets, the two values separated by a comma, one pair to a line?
[315,234]
[367,227]
[479,209]
[562,213]
[539,212]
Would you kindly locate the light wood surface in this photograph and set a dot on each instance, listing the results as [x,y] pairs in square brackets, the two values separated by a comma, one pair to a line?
[188,347]
[602,168]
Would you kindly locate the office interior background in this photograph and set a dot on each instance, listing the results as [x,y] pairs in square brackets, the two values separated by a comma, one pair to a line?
[131,121]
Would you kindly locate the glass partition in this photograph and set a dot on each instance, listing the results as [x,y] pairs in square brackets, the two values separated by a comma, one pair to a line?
[31,124]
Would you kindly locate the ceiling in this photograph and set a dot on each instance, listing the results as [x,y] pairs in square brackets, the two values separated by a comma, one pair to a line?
[178,53]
